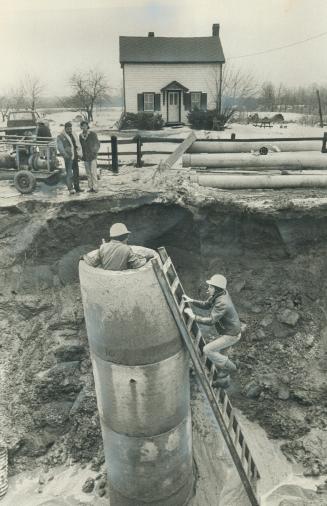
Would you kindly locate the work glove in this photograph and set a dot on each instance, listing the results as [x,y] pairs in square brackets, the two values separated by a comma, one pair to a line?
[189,312]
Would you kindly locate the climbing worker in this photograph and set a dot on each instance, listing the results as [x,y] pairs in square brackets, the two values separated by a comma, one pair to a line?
[117,255]
[225,318]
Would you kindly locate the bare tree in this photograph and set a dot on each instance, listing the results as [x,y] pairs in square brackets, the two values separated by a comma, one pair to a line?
[15,99]
[232,87]
[238,84]
[5,105]
[268,96]
[89,88]
[33,88]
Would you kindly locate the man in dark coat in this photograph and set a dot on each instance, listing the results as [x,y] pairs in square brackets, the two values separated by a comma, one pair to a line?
[90,147]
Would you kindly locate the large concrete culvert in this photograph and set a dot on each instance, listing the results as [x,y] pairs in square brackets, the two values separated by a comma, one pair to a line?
[142,384]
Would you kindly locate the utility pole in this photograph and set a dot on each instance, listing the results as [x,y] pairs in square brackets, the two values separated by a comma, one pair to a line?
[319,108]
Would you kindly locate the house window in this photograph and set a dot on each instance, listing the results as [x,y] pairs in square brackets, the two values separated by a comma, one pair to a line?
[148,102]
[195,100]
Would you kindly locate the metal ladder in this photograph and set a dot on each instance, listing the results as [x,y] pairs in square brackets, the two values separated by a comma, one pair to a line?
[207,373]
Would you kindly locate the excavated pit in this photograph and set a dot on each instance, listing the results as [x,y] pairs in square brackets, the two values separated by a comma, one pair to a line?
[275,265]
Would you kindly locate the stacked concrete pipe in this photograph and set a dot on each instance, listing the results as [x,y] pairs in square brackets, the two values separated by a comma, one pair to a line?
[242,146]
[141,378]
[300,160]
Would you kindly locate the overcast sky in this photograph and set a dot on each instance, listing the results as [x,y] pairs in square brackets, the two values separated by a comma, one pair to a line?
[52,38]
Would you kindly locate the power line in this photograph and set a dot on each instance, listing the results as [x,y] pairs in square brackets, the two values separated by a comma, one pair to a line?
[278,48]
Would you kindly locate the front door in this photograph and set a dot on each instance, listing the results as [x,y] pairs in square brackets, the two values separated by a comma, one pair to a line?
[173,107]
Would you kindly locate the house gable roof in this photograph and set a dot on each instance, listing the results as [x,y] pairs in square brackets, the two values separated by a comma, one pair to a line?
[174,85]
[170,50]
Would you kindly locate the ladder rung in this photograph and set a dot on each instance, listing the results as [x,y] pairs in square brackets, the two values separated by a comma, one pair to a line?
[231,420]
[237,435]
[249,473]
[211,373]
[175,285]
[167,265]
[222,395]
[189,324]
[225,404]
[182,306]
[163,254]
[243,451]
[198,337]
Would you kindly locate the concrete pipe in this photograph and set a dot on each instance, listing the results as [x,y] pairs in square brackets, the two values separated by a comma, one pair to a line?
[301,160]
[141,373]
[232,181]
[248,146]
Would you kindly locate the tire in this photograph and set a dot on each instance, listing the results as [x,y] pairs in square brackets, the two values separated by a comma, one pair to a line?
[24,181]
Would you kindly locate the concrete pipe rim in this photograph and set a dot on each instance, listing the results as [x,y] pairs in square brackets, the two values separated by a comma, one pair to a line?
[181,352]
[124,273]
[187,422]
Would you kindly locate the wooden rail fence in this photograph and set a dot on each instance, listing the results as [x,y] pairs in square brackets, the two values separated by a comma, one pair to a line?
[137,146]
[109,158]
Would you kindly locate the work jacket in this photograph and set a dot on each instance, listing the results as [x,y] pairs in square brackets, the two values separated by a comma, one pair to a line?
[222,314]
[65,146]
[117,256]
[90,145]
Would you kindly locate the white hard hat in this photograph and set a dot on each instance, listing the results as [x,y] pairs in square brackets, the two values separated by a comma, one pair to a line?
[218,280]
[118,229]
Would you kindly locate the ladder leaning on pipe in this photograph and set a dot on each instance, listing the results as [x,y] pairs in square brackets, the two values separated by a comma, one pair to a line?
[207,373]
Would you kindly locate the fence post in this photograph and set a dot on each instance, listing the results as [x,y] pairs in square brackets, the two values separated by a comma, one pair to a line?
[324,142]
[114,154]
[139,162]
[233,137]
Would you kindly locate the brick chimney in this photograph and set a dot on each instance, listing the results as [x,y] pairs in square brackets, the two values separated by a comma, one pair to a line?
[151,34]
[215,30]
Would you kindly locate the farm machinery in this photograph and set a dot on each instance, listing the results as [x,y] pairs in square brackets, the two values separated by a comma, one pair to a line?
[26,159]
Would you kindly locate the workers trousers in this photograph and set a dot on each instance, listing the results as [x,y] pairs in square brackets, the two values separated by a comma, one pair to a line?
[212,349]
[92,174]
[72,173]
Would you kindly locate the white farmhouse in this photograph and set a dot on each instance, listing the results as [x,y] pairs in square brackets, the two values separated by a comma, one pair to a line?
[171,75]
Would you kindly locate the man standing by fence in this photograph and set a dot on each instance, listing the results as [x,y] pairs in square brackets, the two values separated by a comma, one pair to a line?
[90,147]
[69,147]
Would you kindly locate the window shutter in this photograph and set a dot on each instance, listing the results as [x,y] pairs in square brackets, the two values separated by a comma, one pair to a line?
[187,101]
[157,102]
[203,101]
[140,102]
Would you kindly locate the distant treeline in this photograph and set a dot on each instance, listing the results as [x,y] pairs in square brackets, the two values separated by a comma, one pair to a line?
[70,102]
[282,99]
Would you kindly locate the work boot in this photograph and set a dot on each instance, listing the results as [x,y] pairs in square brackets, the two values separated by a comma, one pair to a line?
[221,382]
[229,366]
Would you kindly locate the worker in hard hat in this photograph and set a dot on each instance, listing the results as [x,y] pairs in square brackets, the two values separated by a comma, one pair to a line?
[225,318]
[117,255]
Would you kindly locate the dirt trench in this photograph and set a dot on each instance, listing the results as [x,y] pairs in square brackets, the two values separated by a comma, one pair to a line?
[275,266]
